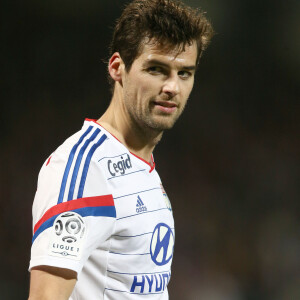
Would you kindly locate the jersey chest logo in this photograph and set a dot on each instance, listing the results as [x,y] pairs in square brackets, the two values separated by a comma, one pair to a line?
[118,166]
[140,206]
[162,244]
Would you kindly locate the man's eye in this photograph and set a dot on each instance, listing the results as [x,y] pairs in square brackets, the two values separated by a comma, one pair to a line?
[184,74]
[155,70]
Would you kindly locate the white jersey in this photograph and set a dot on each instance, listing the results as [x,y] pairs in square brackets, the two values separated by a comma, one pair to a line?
[102,211]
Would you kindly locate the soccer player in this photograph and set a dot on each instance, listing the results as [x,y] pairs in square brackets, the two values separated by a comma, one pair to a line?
[102,222]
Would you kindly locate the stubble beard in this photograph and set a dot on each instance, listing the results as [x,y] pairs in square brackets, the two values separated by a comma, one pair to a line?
[150,121]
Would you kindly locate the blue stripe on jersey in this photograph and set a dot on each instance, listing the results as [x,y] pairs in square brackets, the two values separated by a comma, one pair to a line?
[69,163]
[125,174]
[140,294]
[87,164]
[110,271]
[139,192]
[137,235]
[98,211]
[144,212]
[105,157]
[132,236]
[78,162]
[129,253]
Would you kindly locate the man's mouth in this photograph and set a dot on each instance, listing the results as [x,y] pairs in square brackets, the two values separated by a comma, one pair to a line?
[166,106]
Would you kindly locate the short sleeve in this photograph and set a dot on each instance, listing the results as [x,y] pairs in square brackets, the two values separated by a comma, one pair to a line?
[70,218]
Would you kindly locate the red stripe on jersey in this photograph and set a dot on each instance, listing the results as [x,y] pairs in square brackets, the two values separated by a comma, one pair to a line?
[48,161]
[106,200]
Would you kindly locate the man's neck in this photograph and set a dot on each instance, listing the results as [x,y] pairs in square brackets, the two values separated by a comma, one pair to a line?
[138,140]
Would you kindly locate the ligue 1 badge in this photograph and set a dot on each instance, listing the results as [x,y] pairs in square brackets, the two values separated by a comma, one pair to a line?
[68,232]
[166,198]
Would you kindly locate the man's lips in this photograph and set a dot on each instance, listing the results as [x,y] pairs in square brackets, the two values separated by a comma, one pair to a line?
[165,106]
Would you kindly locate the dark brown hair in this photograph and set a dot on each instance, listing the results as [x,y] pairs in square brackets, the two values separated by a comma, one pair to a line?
[171,24]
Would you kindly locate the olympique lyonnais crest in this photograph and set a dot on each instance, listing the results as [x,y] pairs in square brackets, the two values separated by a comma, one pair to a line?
[166,198]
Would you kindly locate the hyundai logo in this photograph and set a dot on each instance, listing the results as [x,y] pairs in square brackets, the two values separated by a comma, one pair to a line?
[162,244]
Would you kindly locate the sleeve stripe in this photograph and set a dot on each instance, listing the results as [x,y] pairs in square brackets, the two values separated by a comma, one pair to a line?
[90,206]
[87,164]
[107,211]
[78,162]
[69,163]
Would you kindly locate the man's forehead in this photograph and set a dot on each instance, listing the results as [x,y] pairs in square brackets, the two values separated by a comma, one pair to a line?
[152,51]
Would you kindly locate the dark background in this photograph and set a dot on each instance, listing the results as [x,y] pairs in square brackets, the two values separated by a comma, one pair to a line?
[230,165]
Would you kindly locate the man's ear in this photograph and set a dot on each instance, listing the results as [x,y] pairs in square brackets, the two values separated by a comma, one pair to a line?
[115,67]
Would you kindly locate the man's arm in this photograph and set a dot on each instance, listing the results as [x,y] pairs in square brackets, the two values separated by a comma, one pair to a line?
[48,283]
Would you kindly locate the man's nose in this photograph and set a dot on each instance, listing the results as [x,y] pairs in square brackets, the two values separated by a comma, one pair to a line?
[171,87]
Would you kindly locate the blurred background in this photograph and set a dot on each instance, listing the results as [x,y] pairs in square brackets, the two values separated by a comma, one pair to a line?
[230,165]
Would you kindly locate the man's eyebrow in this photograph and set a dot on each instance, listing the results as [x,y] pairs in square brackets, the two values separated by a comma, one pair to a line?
[160,63]
[190,68]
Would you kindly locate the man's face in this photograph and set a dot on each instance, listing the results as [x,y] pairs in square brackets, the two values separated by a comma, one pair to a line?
[156,88]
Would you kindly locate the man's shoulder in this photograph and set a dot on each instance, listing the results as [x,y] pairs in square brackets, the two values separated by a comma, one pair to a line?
[86,141]
[86,151]
[73,169]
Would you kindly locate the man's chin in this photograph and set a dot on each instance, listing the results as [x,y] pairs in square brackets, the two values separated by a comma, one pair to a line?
[162,125]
